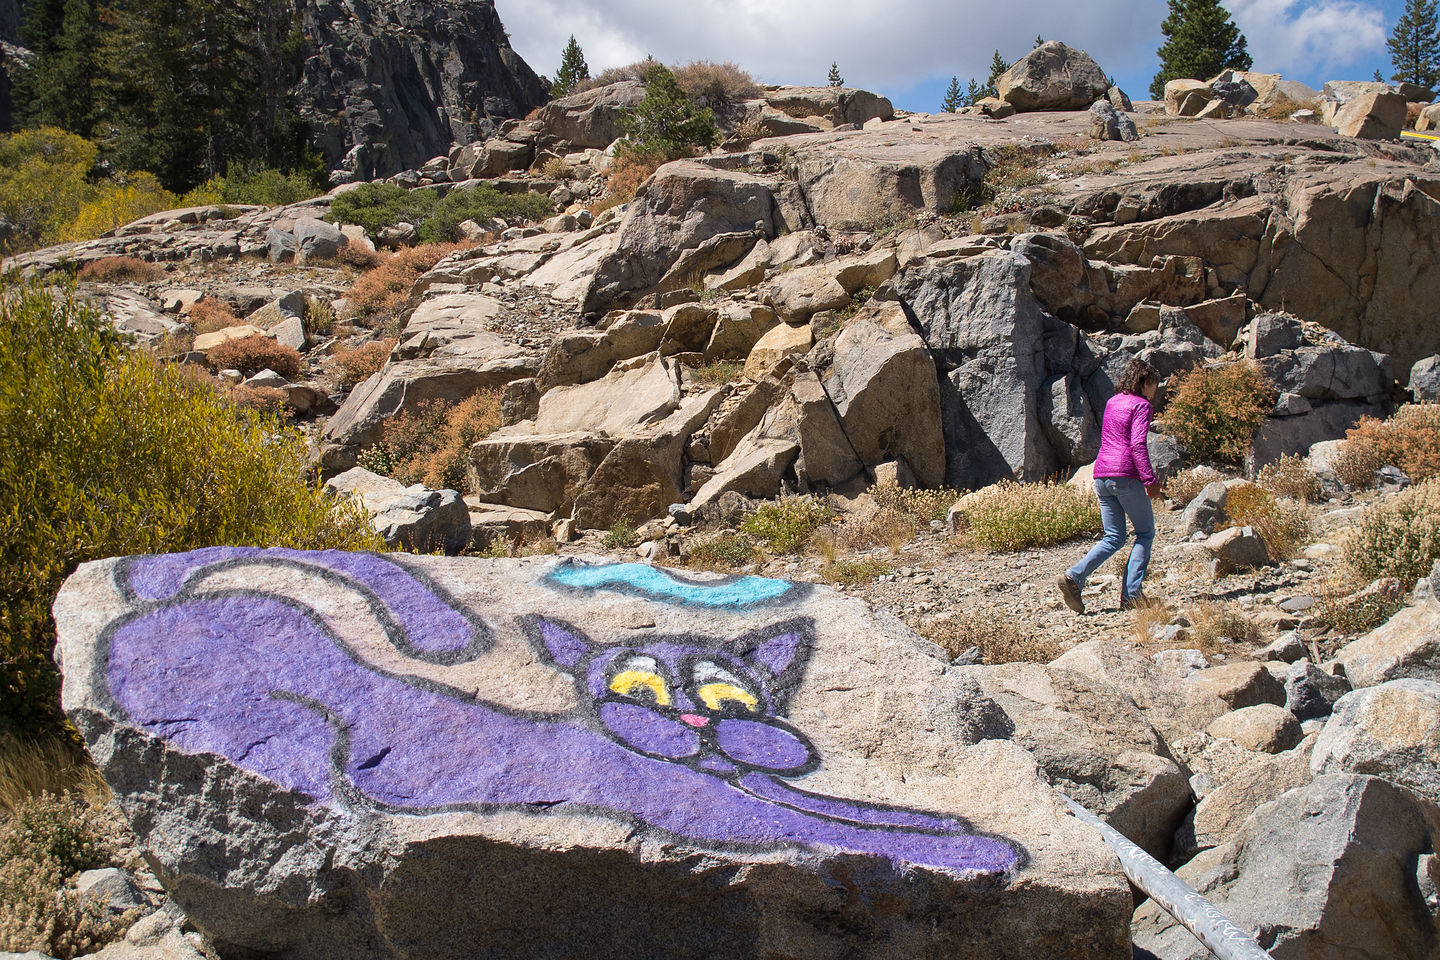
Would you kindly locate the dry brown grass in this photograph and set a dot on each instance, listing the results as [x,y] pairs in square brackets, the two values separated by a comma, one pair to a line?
[1290,476]
[1213,624]
[29,768]
[358,364]
[114,269]
[210,315]
[998,638]
[381,290]
[626,175]
[712,83]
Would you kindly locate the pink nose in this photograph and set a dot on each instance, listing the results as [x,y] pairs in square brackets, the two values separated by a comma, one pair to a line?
[693,720]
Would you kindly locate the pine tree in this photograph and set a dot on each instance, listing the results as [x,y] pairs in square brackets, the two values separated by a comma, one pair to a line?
[1039,41]
[60,87]
[572,70]
[974,93]
[1413,45]
[1200,41]
[954,98]
[835,80]
[666,124]
[998,65]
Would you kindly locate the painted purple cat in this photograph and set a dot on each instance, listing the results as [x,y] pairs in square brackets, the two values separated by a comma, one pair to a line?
[680,737]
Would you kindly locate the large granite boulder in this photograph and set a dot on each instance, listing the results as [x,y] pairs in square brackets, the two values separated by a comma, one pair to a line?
[884,387]
[1341,867]
[1405,646]
[588,119]
[349,755]
[1390,731]
[686,205]
[987,332]
[386,86]
[1052,77]
[838,105]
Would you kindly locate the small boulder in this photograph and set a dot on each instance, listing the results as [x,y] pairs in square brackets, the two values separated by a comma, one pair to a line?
[1207,511]
[318,240]
[1425,380]
[1186,98]
[1390,731]
[779,342]
[1107,123]
[1311,693]
[1370,116]
[1238,548]
[1240,685]
[1264,728]
[1053,76]
[415,518]
[1222,812]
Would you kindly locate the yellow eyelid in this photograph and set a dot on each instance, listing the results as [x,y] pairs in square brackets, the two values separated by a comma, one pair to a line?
[627,680]
[714,694]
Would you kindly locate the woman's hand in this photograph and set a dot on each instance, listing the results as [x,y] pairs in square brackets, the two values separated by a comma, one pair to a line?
[1156,491]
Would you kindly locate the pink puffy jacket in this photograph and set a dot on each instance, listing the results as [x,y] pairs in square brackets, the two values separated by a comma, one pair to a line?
[1123,448]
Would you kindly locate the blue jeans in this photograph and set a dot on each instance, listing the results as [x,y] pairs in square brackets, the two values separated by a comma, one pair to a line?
[1120,497]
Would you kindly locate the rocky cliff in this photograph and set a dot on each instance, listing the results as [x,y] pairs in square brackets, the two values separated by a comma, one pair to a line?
[387,85]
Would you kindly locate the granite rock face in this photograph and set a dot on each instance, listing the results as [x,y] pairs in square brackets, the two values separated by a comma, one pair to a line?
[387,86]
[353,755]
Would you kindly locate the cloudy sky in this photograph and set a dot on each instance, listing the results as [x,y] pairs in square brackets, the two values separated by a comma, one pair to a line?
[909,49]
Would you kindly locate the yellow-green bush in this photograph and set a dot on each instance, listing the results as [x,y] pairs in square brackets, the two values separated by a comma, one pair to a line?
[1014,516]
[113,203]
[43,181]
[1283,525]
[1215,411]
[1398,536]
[108,454]
[785,525]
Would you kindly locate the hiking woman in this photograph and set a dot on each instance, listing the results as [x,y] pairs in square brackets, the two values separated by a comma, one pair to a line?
[1124,482]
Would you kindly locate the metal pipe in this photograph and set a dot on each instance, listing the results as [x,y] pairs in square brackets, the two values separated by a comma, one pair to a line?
[1196,914]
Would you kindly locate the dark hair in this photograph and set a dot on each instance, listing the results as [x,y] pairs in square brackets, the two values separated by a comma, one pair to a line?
[1136,376]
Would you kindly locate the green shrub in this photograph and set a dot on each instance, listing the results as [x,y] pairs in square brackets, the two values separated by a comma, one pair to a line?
[786,525]
[436,220]
[725,551]
[1015,516]
[43,182]
[109,454]
[259,187]
[1397,537]
[666,124]
[254,353]
[851,572]
[621,535]
[114,203]
[1215,411]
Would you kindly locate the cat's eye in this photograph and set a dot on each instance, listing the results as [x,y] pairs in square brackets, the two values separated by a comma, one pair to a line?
[639,679]
[716,695]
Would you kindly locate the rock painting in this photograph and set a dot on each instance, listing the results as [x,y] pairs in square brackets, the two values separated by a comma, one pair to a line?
[682,737]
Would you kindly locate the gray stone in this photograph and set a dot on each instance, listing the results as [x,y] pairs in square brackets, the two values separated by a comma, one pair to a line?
[291,333]
[1407,645]
[408,733]
[1390,731]
[883,384]
[266,378]
[1052,77]
[1424,383]
[1240,685]
[113,890]
[318,240]
[415,517]
[1354,840]
[1339,372]
[1238,548]
[1264,728]
[1107,123]
[1287,648]
[1207,511]
[1223,811]
[592,118]
[1311,693]
[282,244]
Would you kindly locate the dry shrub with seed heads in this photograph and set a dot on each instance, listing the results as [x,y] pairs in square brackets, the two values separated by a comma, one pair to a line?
[1398,536]
[626,175]
[714,83]
[1187,484]
[113,269]
[384,288]
[1215,411]
[1000,640]
[1409,440]
[1013,516]
[209,315]
[852,572]
[359,364]
[724,551]
[254,353]
[1284,525]
[1291,477]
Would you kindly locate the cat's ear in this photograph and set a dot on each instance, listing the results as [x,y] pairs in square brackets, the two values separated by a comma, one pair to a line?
[561,643]
[779,651]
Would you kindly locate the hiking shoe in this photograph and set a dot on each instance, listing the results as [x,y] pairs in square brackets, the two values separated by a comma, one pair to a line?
[1070,593]
[1138,602]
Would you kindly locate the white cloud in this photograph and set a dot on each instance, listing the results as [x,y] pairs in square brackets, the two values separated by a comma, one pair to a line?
[878,44]
[1294,38]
